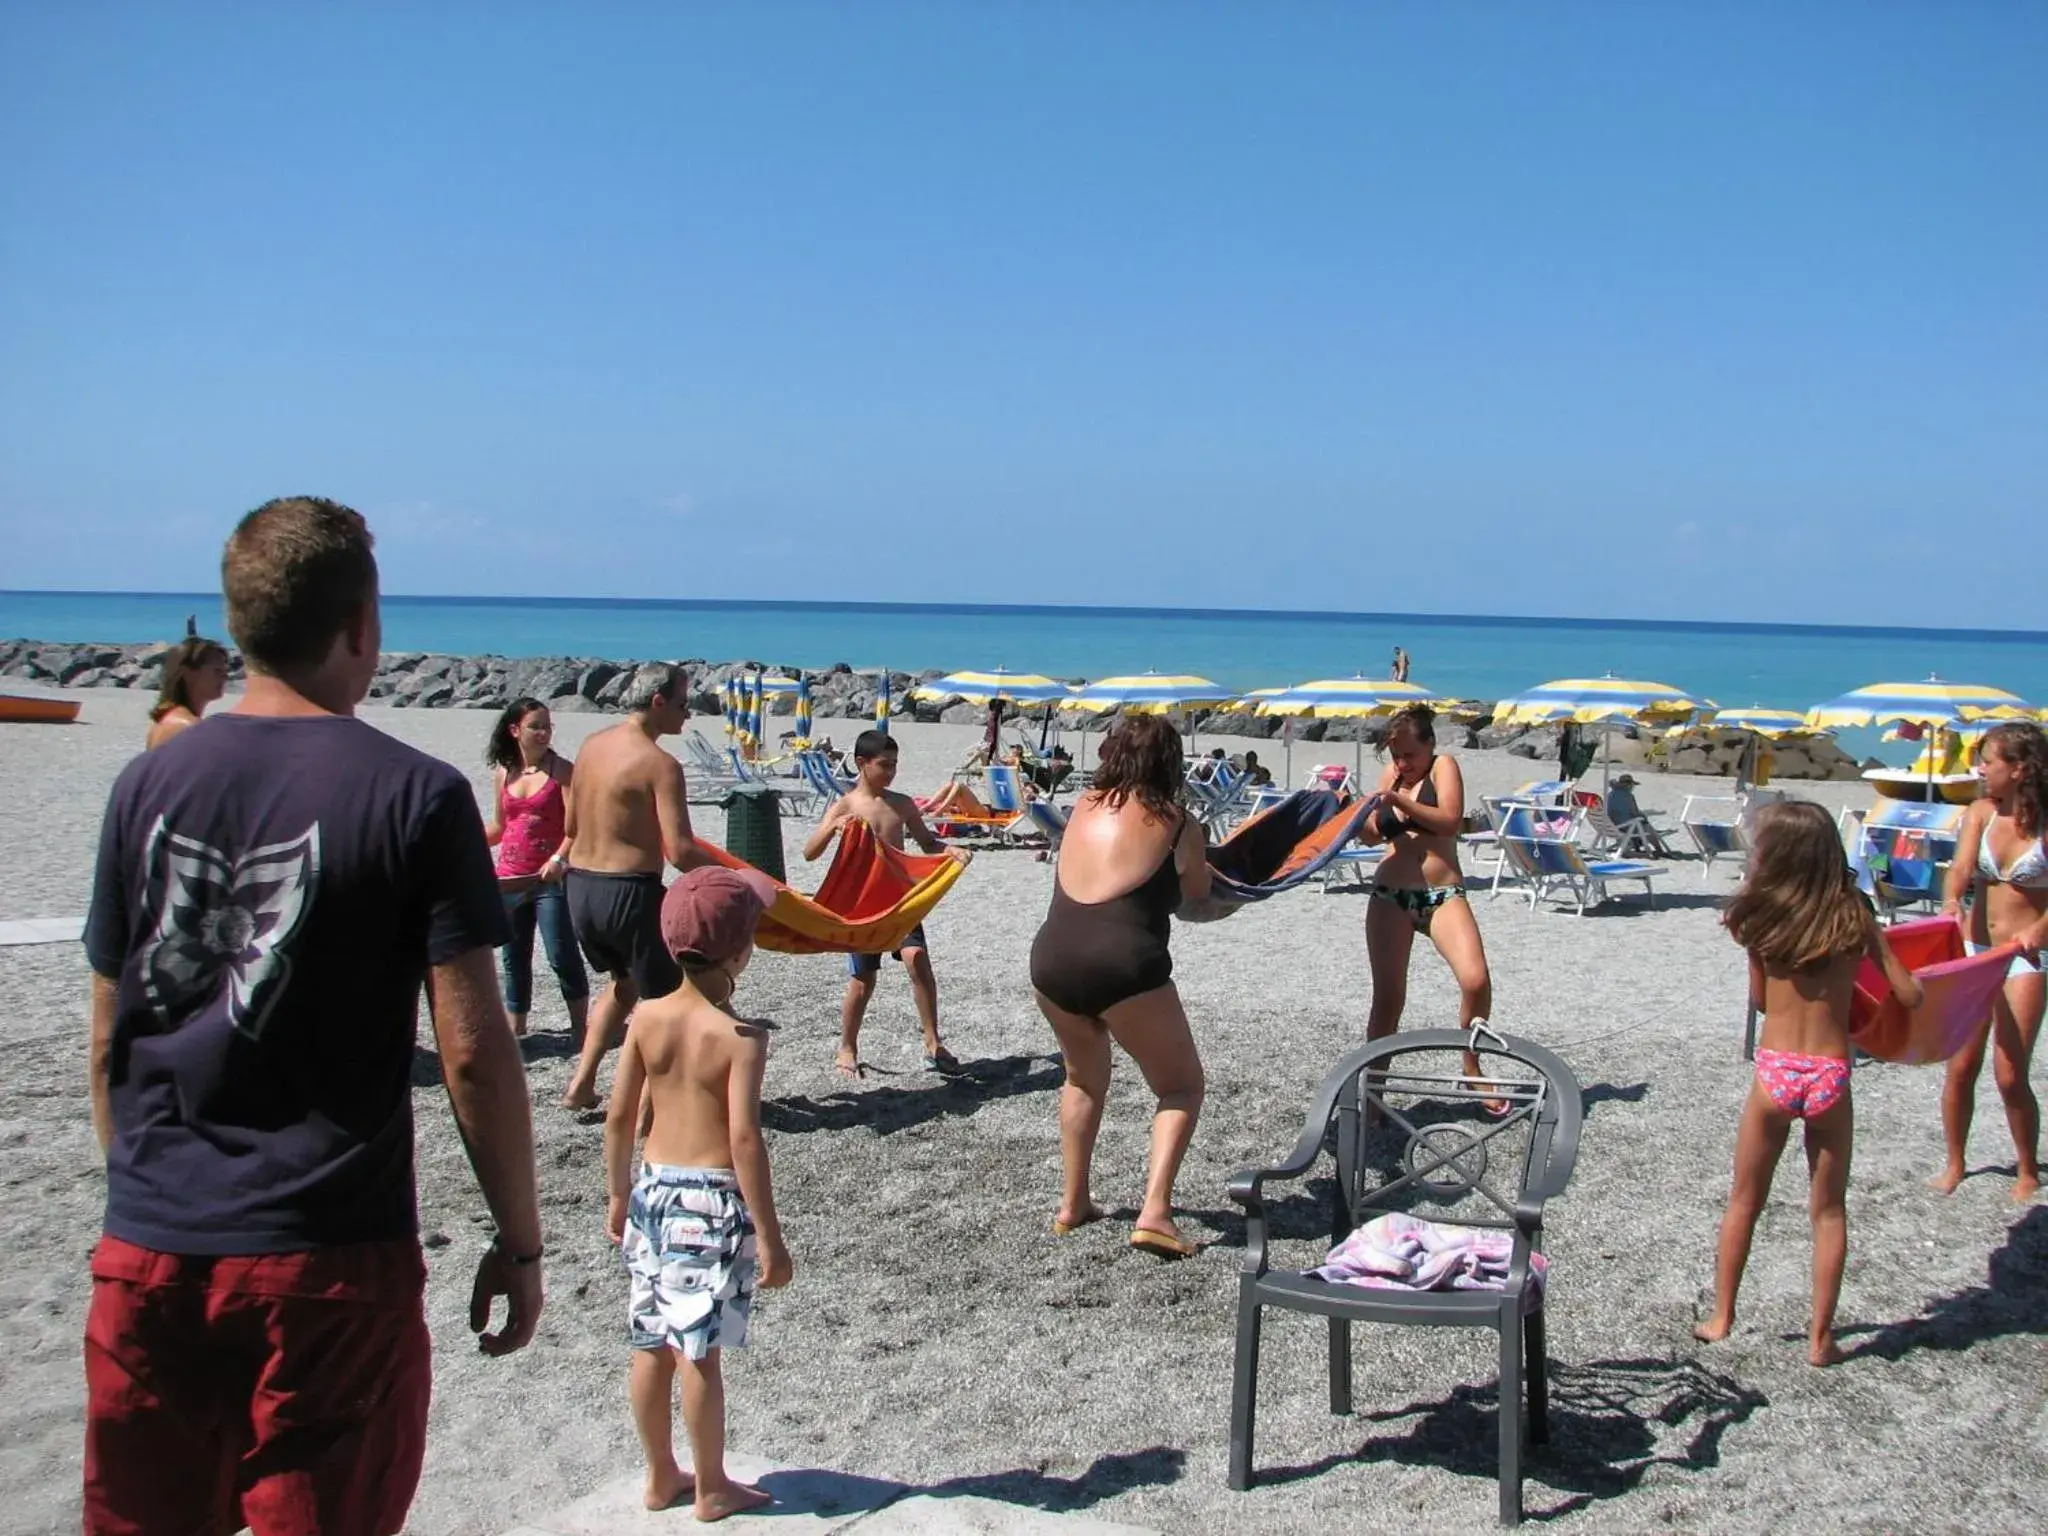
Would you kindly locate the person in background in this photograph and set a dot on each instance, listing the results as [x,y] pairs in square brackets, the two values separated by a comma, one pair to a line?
[1255,772]
[529,818]
[891,816]
[195,675]
[272,895]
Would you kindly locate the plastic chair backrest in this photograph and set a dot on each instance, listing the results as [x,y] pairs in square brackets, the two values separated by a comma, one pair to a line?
[1003,791]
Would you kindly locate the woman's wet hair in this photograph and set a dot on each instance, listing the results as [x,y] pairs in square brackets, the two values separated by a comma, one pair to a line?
[183,659]
[2026,748]
[1141,759]
[502,751]
[1419,718]
[1799,905]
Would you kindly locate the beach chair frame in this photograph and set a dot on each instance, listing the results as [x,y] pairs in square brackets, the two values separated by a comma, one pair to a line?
[1445,1164]
[1551,862]
[1715,835]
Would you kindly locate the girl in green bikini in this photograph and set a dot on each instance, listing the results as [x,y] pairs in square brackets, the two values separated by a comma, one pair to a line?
[1418,887]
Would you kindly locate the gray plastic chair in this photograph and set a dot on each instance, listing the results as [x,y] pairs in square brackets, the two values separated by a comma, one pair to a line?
[1454,1164]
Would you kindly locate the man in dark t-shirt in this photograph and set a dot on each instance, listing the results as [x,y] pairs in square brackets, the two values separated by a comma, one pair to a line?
[274,888]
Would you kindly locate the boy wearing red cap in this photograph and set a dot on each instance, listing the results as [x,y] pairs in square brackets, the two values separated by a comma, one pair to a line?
[699,1221]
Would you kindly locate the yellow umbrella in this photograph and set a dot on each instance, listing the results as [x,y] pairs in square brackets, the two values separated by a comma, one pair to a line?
[1603,701]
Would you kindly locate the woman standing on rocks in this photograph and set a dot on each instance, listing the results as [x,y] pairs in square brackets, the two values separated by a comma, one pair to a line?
[529,799]
[195,674]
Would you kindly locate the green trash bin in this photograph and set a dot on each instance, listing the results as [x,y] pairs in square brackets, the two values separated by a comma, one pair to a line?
[753,827]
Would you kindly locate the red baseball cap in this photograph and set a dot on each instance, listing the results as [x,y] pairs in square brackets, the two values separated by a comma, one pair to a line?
[710,913]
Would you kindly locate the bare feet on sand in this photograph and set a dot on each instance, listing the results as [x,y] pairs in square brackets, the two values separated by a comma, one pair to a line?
[579,1102]
[1713,1330]
[730,1500]
[1823,1350]
[669,1488]
[1945,1182]
[847,1064]
[2025,1187]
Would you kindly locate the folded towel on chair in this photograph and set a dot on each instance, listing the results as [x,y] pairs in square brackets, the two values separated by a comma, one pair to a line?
[1397,1252]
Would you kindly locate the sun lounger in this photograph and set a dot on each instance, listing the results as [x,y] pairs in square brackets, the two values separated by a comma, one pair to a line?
[1549,862]
[1714,824]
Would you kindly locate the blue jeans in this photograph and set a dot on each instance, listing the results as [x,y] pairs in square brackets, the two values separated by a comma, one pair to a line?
[545,907]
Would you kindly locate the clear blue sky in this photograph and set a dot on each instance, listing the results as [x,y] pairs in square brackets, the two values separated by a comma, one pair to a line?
[1647,310]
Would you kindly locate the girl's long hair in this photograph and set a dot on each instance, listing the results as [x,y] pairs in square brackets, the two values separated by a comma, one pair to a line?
[188,655]
[2026,748]
[1798,906]
[502,751]
[1141,759]
[1419,718]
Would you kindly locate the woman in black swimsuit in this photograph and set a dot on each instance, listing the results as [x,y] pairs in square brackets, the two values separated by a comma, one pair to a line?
[1101,969]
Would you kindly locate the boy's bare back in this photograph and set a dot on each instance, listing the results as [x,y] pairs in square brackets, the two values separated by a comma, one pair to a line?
[703,1074]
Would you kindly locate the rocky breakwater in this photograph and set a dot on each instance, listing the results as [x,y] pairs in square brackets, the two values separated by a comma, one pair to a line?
[1699,750]
[419,680]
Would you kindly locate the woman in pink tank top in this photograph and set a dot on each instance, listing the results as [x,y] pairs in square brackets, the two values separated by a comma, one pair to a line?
[529,801]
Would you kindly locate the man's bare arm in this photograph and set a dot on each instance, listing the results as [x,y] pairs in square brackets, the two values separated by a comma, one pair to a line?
[104,990]
[486,1084]
[913,823]
[672,811]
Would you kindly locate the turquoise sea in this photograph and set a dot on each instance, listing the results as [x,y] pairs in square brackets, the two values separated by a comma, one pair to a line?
[1468,656]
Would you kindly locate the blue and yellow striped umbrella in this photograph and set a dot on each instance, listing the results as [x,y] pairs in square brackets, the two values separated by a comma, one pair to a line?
[1149,693]
[1334,698]
[1597,701]
[1933,702]
[882,703]
[732,712]
[803,713]
[1771,724]
[750,737]
[980,687]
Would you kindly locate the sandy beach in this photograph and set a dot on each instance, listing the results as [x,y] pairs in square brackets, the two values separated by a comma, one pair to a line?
[937,1333]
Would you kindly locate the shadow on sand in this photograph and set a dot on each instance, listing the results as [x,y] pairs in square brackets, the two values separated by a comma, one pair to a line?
[1611,1423]
[2013,1300]
[884,1108]
[833,1496]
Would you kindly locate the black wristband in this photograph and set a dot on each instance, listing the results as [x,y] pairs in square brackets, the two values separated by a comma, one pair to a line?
[521,1259]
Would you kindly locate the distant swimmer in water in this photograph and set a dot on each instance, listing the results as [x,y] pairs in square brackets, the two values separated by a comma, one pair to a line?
[195,675]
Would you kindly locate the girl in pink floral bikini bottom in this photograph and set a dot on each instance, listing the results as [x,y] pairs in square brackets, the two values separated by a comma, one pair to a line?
[1807,929]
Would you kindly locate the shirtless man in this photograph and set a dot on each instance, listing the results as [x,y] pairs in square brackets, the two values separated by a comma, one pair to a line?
[626,819]
[890,816]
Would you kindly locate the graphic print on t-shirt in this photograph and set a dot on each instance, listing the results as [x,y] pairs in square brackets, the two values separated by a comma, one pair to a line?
[218,919]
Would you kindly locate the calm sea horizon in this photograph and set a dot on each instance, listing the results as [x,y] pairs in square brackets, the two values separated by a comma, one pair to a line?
[1473,656]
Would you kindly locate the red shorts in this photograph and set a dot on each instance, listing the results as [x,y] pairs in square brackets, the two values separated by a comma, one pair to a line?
[286,1392]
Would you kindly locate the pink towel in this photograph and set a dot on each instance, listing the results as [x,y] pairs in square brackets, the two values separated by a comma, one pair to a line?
[1397,1252]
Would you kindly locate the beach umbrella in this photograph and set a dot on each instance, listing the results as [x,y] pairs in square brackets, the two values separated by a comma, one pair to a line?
[1350,698]
[1147,693]
[732,712]
[775,684]
[1251,704]
[981,687]
[985,687]
[1758,725]
[882,703]
[750,717]
[1932,703]
[1603,701]
[803,712]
